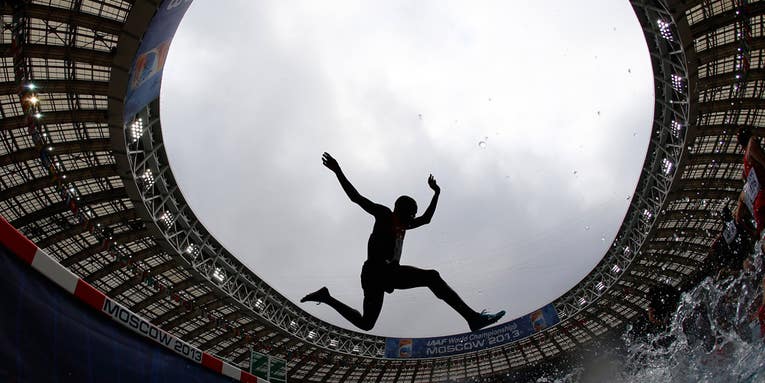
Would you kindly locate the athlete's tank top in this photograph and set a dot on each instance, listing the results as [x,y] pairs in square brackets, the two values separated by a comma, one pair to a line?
[386,241]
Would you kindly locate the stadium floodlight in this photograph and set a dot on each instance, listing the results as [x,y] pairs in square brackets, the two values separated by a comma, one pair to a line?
[677,82]
[312,335]
[259,304]
[38,115]
[600,286]
[664,29]
[136,129]
[356,349]
[333,343]
[34,99]
[218,275]
[31,86]
[147,178]
[667,165]
[616,269]
[677,128]
[166,218]
[582,301]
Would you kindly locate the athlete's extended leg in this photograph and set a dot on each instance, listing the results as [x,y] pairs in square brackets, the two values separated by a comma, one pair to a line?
[407,277]
[373,301]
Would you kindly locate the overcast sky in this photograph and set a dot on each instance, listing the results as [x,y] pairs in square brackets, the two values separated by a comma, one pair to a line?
[534,117]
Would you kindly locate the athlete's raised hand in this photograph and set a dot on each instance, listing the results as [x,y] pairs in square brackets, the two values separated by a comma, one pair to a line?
[330,162]
[433,185]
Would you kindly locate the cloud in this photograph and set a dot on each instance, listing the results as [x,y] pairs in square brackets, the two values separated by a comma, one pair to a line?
[558,94]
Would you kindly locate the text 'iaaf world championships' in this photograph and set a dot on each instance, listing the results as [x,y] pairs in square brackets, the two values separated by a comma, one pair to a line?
[473,341]
[511,331]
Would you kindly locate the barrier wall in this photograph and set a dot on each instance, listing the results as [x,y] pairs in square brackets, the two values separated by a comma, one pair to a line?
[50,332]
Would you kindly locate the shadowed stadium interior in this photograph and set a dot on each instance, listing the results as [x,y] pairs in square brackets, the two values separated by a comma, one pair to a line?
[96,191]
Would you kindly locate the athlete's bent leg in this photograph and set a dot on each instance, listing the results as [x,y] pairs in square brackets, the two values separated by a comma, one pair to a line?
[407,277]
[373,301]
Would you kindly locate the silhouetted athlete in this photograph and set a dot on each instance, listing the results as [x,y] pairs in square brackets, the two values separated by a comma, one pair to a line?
[382,272]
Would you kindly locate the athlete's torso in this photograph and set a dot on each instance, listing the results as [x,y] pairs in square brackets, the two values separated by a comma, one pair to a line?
[387,239]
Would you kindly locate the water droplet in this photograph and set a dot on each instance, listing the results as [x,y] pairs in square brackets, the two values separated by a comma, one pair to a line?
[598,113]
[634,134]
[629,197]
[576,172]
[489,99]
[419,116]
[482,144]
[603,238]
[629,70]
[587,227]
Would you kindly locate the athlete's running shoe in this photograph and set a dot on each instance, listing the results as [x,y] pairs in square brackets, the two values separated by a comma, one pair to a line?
[483,319]
[319,296]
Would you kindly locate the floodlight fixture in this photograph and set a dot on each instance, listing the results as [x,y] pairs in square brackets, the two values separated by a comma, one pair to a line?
[147,178]
[136,129]
[667,165]
[664,29]
[166,218]
[677,83]
[219,275]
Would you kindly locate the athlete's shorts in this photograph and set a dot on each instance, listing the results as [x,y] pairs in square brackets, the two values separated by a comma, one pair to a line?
[759,212]
[378,276]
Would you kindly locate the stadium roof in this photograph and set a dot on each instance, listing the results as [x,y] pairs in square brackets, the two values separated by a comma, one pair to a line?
[97,192]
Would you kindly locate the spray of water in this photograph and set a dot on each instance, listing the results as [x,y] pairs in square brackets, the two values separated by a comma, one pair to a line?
[713,336]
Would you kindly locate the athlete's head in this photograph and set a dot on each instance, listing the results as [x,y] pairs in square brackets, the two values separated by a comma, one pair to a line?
[405,208]
[743,135]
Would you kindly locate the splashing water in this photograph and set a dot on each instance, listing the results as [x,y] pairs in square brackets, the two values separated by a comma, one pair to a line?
[713,336]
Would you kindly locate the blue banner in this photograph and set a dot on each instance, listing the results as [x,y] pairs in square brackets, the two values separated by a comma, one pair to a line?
[48,335]
[146,72]
[473,341]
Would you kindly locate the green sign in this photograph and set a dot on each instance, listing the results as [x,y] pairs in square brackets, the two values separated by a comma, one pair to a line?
[269,368]
[259,365]
[278,370]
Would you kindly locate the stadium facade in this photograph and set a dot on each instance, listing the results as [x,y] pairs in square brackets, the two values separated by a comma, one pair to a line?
[85,176]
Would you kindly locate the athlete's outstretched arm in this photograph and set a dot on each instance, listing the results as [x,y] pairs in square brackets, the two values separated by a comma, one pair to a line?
[755,151]
[428,215]
[356,197]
